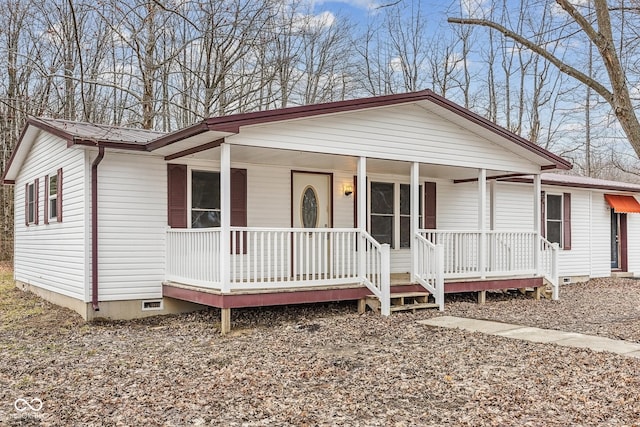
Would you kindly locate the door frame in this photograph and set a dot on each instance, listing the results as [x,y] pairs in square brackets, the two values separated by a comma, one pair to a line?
[330,175]
[621,245]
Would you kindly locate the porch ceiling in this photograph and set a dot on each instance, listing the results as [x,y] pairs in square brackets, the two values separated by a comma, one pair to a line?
[327,162]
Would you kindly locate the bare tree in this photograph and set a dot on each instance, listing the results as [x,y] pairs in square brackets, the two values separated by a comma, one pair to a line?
[615,91]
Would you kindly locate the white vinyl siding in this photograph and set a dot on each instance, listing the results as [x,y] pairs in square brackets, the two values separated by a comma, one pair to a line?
[457,205]
[52,256]
[633,243]
[513,206]
[132,219]
[402,132]
[575,262]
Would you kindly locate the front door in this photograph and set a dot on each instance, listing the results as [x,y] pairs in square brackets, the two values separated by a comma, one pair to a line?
[311,201]
[311,208]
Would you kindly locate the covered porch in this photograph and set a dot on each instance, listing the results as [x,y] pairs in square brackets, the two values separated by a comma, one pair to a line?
[328,201]
[269,265]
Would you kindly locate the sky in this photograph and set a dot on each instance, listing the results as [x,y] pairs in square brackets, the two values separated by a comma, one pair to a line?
[359,11]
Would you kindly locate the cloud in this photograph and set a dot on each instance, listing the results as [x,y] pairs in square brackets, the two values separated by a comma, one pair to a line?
[314,22]
[475,8]
[358,4]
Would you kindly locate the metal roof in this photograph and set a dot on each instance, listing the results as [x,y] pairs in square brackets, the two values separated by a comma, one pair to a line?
[88,132]
[575,181]
[583,181]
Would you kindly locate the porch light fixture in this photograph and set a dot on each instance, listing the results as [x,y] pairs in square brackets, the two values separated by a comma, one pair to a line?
[348,190]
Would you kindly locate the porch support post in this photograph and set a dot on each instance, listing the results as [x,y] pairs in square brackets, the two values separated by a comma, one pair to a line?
[493,203]
[482,221]
[225,216]
[537,220]
[362,214]
[415,216]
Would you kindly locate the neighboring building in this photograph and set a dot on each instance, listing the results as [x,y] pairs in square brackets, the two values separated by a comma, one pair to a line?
[132,222]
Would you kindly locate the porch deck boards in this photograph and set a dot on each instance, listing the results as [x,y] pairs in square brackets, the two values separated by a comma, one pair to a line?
[351,292]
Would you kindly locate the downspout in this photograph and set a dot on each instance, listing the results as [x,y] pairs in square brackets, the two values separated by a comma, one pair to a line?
[94,228]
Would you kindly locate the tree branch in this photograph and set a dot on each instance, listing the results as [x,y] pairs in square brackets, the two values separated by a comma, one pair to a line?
[562,66]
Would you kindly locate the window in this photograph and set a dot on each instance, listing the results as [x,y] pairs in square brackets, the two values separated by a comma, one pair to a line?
[391,215]
[53,197]
[554,218]
[31,203]
[205,199]
[556,222]
[382,208]
[405,214]
[196,201]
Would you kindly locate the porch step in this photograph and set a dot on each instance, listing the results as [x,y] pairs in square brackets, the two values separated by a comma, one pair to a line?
[537,293]
[621,274]
[404,301]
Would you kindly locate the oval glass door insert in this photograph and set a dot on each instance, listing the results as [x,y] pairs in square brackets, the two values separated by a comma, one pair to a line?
[309,208]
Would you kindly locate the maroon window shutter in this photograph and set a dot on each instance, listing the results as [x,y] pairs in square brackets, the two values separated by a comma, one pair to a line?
[46,199]
[177,195]
[36,208]
[543,214]
[59,196]
[26,204]
[566,220]
[430,211]
[239,204]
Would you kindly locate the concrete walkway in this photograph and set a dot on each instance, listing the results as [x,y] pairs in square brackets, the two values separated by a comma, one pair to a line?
[527,333]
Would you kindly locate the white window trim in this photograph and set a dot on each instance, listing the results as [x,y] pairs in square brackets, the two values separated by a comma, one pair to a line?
[396,206]
[546,216]
[190,170]
[49,198]
[30,185]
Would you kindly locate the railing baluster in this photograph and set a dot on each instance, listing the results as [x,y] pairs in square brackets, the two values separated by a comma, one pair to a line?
[270,257]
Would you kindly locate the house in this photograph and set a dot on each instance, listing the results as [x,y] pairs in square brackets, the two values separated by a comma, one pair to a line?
[305,204]
[592,220]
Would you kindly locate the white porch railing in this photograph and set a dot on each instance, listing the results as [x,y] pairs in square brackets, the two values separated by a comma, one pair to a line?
[506,253]
[276,258]
[291,257]
[549,261]
[375,262]
[430,268]
[193,256]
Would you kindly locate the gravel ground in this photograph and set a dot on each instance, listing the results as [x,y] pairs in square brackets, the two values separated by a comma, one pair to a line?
[322,365]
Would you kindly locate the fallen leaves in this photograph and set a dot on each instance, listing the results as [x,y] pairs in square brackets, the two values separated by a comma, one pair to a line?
[327,365]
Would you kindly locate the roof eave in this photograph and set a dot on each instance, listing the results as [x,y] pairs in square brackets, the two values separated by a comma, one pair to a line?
[107,144]
[574,185]
[557,162]
[8,177]
[179,135]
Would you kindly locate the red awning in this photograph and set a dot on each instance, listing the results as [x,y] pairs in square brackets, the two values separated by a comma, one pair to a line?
[623,204]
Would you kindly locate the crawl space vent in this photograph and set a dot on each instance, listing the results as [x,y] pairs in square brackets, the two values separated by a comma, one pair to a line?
[155,304]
